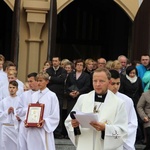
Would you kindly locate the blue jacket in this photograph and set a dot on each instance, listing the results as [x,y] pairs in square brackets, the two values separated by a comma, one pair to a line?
[141,71]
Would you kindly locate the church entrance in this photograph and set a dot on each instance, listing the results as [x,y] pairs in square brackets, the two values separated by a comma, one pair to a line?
[5,30]
[93,29]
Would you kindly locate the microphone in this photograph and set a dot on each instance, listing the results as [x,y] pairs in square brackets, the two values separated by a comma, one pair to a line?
[76,129]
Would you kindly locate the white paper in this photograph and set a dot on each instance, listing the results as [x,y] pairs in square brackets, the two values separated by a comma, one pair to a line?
[86,118]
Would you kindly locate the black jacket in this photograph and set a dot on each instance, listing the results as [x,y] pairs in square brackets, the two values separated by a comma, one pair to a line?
[56,82]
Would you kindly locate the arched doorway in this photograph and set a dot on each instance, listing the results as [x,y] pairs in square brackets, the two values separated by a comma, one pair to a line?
[5,29]
[98,29]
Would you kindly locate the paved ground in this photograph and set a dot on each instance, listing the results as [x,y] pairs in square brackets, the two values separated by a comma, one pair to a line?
[64,144]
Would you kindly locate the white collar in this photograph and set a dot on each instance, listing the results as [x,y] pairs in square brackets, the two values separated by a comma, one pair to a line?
[132,80]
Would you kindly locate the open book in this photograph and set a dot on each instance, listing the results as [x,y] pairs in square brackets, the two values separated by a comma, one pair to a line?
[85,118]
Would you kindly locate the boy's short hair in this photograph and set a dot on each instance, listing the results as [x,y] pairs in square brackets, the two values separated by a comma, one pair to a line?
[43,75]
[33,74]
[114,74]
[7,64]
[14,83]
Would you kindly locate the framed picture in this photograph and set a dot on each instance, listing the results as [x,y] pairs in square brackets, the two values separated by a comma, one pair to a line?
[34,114]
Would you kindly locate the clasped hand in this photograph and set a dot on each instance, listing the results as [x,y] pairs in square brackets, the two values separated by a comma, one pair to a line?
[40,124]
[74,94]
[11,110]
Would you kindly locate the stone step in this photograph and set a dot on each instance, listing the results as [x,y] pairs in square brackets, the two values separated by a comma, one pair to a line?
[66,144]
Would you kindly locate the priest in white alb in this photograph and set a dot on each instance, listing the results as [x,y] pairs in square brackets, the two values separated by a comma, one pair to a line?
[110,131]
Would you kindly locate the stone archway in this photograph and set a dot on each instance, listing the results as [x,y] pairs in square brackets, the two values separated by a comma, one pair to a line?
[10,3]
[129,6]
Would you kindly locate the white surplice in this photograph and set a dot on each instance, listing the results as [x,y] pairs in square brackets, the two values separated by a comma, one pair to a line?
[43,138]
[132,122]
[112,113]
[26,98]
[9,132]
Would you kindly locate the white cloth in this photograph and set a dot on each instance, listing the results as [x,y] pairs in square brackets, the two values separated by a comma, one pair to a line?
[9,132]
[0,131]
[43,138]
[3,76]
[26,98]
[113,113]
[132,122]
[3,81]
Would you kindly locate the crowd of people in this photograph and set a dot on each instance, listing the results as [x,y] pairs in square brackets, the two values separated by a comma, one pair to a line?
[116,90]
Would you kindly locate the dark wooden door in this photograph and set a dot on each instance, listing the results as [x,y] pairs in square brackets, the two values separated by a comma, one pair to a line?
[141,31]
[5,29]
[93,29]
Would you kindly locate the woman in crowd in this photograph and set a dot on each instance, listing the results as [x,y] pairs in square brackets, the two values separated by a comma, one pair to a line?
[131,84]
[47,64]
[116,65]
[78,82]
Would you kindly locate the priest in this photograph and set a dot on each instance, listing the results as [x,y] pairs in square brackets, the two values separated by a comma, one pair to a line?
[110,131]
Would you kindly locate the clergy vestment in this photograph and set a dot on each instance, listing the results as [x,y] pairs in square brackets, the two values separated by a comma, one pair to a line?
[25,99]
[43,138]
[112,112]
[9,132]
[132,122]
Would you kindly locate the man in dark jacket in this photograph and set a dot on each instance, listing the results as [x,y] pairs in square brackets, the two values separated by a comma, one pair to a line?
[56,84]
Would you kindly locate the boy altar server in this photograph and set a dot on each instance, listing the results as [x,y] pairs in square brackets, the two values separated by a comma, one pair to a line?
[9,119]
[132,117]
[26,98]
[110,131]
[41,137]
